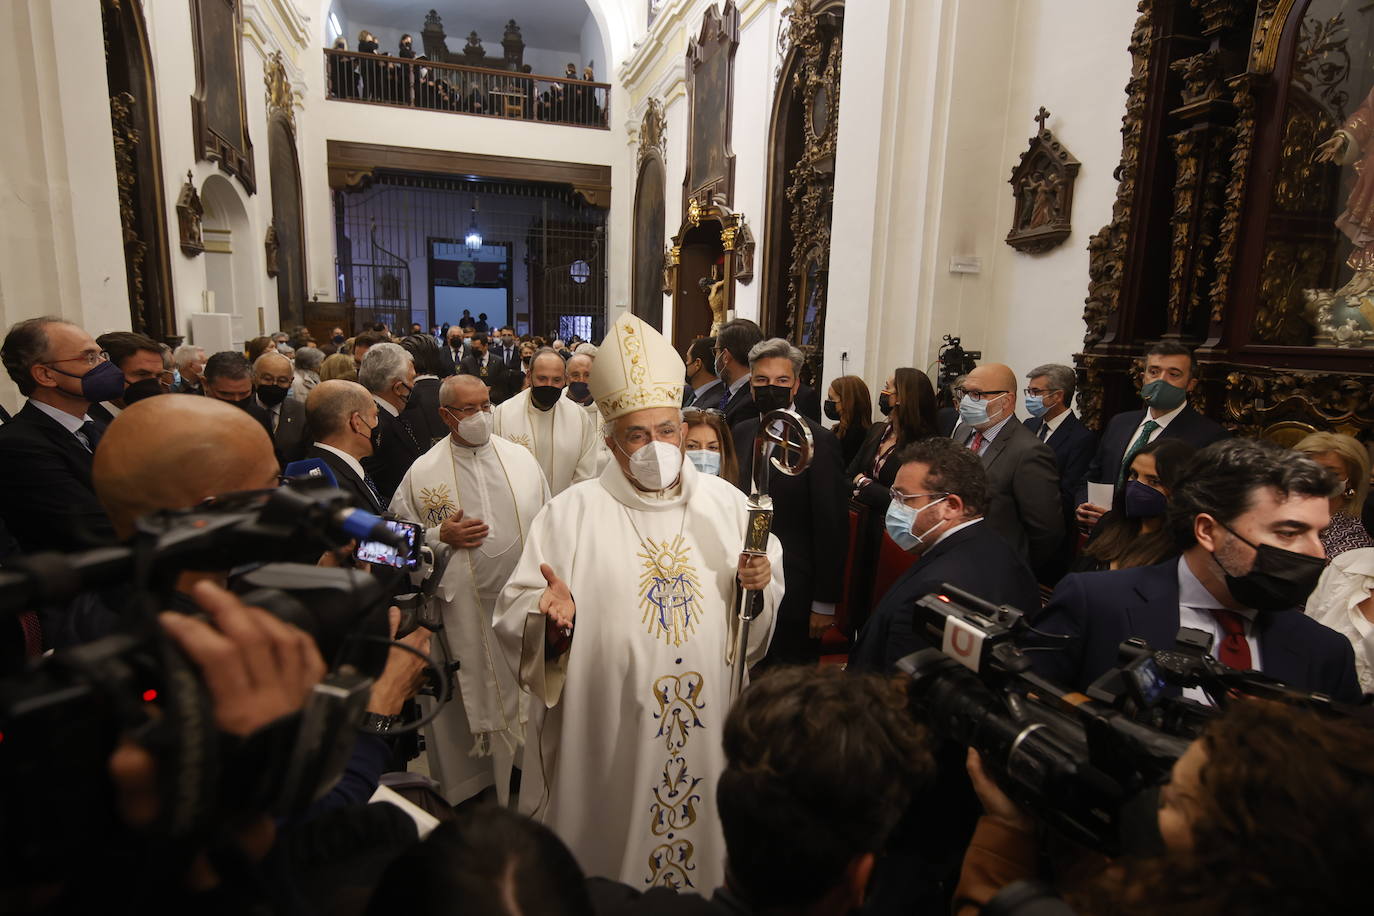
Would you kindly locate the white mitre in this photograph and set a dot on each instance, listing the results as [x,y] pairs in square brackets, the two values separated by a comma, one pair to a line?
[636,368]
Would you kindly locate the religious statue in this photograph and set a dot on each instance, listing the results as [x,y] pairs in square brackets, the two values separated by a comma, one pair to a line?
[716,299]
[1350,145]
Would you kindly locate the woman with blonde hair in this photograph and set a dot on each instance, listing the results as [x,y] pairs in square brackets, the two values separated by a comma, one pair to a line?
[1346,458]
[339,365]
[709,444]
[849,403]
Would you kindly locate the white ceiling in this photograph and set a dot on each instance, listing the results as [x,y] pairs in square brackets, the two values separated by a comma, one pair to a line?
[553,24]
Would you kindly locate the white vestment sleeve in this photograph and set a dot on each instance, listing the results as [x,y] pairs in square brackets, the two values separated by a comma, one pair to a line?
[761,630]
[587,464]
[520,625]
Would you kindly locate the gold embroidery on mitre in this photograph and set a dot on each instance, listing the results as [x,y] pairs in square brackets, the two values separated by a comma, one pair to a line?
[665,395]
[669,590]
[436,503]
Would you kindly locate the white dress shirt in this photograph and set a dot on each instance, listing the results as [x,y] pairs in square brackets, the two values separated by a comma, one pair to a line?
[1163,420]
[70,423]
[353,464]
[1195,606]
[990,433]
[1048,427]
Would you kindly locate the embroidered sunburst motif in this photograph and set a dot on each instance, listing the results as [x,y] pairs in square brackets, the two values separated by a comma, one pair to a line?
[522,439]
[669,590]
[436,503]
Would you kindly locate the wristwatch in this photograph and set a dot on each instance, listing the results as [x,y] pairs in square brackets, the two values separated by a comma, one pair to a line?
[377,724]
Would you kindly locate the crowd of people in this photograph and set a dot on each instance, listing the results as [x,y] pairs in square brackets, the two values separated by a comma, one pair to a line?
[586,508]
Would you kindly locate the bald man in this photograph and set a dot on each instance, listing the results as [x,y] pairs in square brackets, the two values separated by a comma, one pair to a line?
[341,416]
[285,415]
[1023,480]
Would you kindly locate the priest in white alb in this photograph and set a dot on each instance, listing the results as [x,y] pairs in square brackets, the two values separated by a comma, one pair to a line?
[618,618]
[560,434]
[476,495]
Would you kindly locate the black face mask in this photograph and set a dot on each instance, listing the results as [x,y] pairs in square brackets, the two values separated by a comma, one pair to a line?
[545,396]
[406,51]
[885,403]
[768,398]
[272,395]
[832,410]
[140,390]
[1280,580]
[367,47]
[244,404]
[579,391]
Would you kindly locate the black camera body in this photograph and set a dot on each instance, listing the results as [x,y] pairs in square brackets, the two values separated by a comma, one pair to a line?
[61,719]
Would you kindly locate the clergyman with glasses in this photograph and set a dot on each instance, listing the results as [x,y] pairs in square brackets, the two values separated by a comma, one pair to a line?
[1023,503]
[618,619]
[476,495]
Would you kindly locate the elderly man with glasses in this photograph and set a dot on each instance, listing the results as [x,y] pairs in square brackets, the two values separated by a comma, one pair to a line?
[46,497]
[476,495]
[1023,481]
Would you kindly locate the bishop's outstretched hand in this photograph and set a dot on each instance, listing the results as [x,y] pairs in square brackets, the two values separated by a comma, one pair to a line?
[557,606]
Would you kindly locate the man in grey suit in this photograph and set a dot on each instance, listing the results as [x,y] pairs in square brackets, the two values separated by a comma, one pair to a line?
[1023,480]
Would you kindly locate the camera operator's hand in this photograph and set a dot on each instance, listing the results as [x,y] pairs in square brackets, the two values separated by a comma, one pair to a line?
[343,558]
[404,673]
[996,804]
[256,666]
[463,533]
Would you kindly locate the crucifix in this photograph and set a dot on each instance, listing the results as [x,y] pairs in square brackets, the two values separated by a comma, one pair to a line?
[1041,118]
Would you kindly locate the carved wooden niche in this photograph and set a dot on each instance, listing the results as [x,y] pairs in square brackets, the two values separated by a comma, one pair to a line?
[649,216]
[138,169]
[801,176]
[711,99]
[1042,187]
[219,117]
[190,213]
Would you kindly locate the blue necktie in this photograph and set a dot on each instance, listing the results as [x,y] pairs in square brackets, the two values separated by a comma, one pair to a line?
[91,432]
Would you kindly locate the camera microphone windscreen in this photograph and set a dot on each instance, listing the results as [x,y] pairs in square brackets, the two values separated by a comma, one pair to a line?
[368,527]
[313,469]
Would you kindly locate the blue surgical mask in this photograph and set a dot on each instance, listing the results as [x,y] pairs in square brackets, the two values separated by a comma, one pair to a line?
[974,413]
[901,518]
[176,378]
[707,461]
[1143,501]
[1035,405]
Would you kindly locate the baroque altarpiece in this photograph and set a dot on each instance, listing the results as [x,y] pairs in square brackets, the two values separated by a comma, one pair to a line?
[1244,218]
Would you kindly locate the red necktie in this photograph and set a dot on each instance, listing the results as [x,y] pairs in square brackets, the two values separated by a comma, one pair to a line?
[975,444]
[1234,651]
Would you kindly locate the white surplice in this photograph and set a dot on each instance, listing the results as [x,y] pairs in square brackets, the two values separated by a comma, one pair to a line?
[623,762]
[562,439]
[473,741]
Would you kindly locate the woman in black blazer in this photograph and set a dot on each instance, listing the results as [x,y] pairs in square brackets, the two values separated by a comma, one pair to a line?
[908,401]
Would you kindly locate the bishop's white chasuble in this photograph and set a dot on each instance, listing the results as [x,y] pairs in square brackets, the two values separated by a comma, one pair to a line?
[623,750]
[473,742]
[562,439]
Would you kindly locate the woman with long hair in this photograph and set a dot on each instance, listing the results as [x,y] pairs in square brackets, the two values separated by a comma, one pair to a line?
[907,400]
[1133,533]
[850,405]
[709,444]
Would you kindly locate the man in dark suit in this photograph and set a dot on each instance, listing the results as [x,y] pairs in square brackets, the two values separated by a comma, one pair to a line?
[389,375]
[47,500]
[703,389]
[506,349]
[228,377]
[940,519]
[454,350]
[1049,392]
[1170,373]
[1023,482]
[1248,516]
[809,510]
[736,338]
[341,416]
[282,415]
[488,367]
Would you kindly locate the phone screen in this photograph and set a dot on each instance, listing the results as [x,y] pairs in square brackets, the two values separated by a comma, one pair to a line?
[386,555]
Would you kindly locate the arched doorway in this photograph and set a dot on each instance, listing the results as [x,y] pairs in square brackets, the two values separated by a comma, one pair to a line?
[138,169]
[230,256]
[801,181]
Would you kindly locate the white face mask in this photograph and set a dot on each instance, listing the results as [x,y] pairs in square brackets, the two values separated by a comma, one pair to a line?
[657,465]
[475,429]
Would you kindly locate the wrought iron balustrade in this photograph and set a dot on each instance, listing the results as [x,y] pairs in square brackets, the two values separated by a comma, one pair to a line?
[403,82]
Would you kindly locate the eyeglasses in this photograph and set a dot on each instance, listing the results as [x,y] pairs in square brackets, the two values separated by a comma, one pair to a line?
[90,358]
[1040,392]
[465,412]
[905,498]
[978,395]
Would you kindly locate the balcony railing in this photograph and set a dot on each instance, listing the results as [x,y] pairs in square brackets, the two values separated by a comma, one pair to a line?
[408,83]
